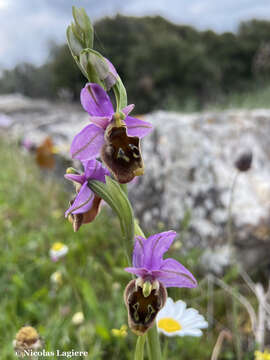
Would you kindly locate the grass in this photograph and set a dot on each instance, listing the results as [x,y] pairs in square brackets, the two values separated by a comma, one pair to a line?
[32,204]
[256,98]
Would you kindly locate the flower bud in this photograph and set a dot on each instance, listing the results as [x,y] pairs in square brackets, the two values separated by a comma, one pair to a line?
[57,278]
[94,65]
[244,161]
[143,301]
[27,338]
[79,34]
[74,42]
[77,318]
[83,25]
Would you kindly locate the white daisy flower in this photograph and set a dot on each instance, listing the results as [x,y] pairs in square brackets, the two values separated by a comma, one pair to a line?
[58,250]
[175,319]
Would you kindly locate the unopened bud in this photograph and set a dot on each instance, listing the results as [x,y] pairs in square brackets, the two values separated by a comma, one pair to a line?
[244,161]
[27,338]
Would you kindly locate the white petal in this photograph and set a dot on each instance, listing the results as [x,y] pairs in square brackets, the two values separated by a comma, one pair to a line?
[191,332]
[193,321]
[188,314]
[199,325]
[179,308]
[167,310]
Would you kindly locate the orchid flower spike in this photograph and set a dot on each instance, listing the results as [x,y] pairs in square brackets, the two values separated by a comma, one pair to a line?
[113,136]
[86,205]
[146,295]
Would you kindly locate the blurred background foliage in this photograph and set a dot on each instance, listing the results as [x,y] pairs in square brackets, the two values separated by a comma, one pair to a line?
[164,65]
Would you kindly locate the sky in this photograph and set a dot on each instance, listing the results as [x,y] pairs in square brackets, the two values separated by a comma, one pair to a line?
[28,26]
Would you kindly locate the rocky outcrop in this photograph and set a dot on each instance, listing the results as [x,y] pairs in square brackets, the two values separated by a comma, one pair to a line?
[190,169]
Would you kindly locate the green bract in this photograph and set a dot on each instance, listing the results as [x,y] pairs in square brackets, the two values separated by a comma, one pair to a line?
[94,66]
[114,196]
[83,27]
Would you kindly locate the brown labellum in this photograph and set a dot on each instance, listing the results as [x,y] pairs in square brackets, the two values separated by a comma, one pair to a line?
[79,219]
[142,311]
[122,154]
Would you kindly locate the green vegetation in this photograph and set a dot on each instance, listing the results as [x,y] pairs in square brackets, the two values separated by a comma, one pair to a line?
[31,220]
[165,66]
[253,99]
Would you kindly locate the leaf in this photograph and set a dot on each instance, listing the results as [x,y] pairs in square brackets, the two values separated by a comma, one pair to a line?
[74,43]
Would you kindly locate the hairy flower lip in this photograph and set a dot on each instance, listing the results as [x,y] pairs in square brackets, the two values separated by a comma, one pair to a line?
[122,154]
[142,311]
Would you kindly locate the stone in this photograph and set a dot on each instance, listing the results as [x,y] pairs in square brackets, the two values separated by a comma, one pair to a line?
[189,169]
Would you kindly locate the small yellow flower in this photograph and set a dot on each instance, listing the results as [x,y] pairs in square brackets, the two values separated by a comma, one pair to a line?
[262,355]
[121,333]
[77,318]
[58,250]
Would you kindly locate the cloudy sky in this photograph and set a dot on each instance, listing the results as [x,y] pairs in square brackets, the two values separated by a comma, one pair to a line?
[27,26]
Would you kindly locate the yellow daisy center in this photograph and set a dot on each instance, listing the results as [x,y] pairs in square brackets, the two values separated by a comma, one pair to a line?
[169,325]
[57,246]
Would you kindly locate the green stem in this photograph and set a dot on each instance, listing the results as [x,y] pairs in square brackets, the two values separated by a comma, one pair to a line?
[124,188]
[154,351]
[229,221]
[139,351]
[236,333]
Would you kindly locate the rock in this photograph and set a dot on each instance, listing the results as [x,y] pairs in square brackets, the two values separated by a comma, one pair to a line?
[190,171]
[190,168]
[12,103]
